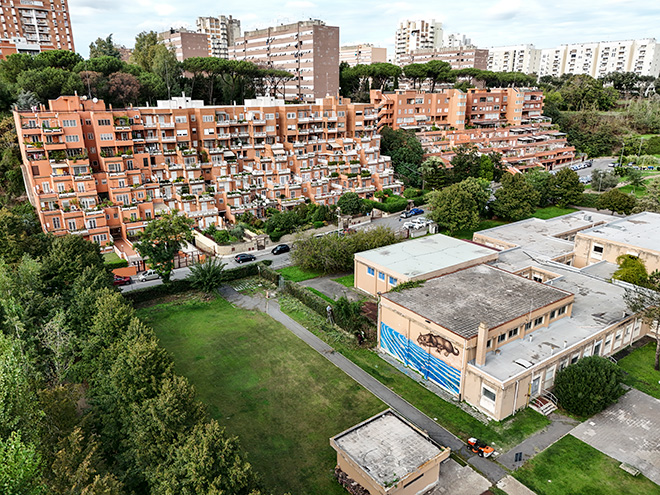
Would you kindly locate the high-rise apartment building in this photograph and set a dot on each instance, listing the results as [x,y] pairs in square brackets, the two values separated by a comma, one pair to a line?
[457,40]
[516,58]
[185,43]
[103,173]
[308,50]
[33,26]
[465,57]
[221,33]
[417,35]
[597,59]
[362,54]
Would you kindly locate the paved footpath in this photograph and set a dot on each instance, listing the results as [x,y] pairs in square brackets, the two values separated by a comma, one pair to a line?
[270,306]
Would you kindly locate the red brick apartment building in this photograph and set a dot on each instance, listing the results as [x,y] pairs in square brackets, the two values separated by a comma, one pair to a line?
[103,173]
[33,26]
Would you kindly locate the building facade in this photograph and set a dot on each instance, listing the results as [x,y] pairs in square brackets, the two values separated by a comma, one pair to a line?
[221,32]
[516,58]
[308,50]
[457,40]
[103,173]
[185,43]
[419,34]
[598,59]
[497,333]
[362,54]
[462,57]
[35,26]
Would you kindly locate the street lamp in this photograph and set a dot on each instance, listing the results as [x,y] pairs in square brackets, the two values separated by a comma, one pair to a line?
[623,145]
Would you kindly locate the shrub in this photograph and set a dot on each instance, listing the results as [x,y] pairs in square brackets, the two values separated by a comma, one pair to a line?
[118,263]
[589,386]
[318,225]
[207,276]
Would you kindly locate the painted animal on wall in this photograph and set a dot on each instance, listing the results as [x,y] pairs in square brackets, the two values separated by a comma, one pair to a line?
[441,344]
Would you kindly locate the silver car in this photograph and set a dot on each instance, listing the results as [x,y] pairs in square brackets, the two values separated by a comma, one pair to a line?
[148,275]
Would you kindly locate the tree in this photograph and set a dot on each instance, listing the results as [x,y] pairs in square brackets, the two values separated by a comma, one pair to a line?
[589,386]
[416,73]
[26,100]
[350,204]
[516,199]
[123,89]
[439,72]
[60,59]
[162,239]
[67,258]
[20,472]
[650,202]
[602,180]
[635,178]
[540,180]
[632,270]
[406,152]
[49,83]
[616,201]
[165,65]
[565,187]
[103,64]
[104,48]
[454,208]
[465,163]
[646,303]
[207,276]
[144,50]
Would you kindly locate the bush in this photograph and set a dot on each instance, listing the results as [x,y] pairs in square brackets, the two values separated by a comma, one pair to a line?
[207,276]
[114,264]
[589,386]
[588,200]
[306,297]
[318,225]
[393,204]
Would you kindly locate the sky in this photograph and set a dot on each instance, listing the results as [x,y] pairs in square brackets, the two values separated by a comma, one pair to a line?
[488,23]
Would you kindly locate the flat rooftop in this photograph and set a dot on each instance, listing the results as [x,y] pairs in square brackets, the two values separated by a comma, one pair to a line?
[425,255]
[387,447]
[540,236]
[641,230]
[598,304]
[460,301]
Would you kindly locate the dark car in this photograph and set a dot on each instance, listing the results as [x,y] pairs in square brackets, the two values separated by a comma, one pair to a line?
[281,248]
[118,280]
[242,258]
[412,212]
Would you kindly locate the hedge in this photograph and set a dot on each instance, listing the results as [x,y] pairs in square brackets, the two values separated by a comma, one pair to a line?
[389,207]
[306,297]
[116,263]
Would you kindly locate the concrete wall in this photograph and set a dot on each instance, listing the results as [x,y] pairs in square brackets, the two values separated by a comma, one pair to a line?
[585,254]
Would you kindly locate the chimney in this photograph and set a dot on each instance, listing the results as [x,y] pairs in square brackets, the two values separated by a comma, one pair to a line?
[482,341]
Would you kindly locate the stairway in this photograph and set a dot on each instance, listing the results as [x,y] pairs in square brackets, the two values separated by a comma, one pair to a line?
[544,404]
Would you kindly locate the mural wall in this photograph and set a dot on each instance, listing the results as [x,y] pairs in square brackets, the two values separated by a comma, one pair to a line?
[423,359]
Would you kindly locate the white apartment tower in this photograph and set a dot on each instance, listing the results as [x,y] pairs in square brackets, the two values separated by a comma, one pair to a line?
[516,58]
[457,40]
[221,32]
[417,35]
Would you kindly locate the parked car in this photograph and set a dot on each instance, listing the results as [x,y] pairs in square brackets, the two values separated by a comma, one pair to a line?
[422,221]
[585,180]
[613,164]
[412,225]
[281,248]
[148,275]
[242,258]
[589,163]
[119,280]
[412,212]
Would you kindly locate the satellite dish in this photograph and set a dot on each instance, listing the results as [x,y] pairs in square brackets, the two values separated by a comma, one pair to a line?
[95,100]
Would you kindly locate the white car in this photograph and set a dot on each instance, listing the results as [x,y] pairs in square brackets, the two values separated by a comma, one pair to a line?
[423,221]
[148,275]
[412,225]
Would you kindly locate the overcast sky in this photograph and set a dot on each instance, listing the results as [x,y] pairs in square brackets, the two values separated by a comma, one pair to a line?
[544,23]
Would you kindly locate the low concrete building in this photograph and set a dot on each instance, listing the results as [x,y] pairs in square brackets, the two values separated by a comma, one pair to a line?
[638,235]
[381,269]
[388,455]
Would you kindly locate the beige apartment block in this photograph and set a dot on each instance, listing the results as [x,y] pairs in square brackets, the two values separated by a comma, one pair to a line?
[515,58]
[495,334]
[379,270]
[308,50]
[35,26]
[459,57]
[362,54]
[103,173]
[221,33]
[387,455]
[418,34]
[185,43]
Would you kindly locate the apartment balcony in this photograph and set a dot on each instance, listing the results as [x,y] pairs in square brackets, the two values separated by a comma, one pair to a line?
[166,125]
[52,130]
[168,139]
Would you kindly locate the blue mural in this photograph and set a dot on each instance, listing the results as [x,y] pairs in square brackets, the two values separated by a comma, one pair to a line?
[412,355]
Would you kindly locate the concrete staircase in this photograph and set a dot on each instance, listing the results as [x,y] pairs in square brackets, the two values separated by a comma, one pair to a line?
[544,404]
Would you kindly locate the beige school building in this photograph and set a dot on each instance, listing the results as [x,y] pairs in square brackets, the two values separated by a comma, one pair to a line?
[495,333]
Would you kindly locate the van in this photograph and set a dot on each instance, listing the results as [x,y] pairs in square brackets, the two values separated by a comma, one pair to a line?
[148,275]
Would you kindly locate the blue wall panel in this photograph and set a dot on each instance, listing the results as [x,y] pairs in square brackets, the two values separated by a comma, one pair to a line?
[412,355]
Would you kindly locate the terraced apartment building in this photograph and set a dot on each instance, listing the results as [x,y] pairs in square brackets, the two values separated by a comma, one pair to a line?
[103,173]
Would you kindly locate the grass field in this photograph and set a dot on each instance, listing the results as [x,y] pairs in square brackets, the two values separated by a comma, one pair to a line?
[110,257]
[281,398]
[640,374]
[346,281]
[572,466]
[501,434]
[552,212]
[297,274]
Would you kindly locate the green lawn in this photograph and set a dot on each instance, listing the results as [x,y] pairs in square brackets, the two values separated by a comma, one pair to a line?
[110,257]
[552,212]
[297,274]
[321,295]
[346,281]
[483,225]
[572,466]
[640,374]
[503,435]
[281,398]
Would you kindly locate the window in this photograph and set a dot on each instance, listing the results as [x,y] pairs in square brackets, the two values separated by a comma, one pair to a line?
[561,310]
[106,137]
[370,271]
[73,138]
[56,223]
[489,344]
[538,321]
[501,338]
[381,276]
[180,119]
[528,325]
[103,121]
[553,313]
[598,249]
[72,224]
[393,281]
[575,358]
[69,123]
[207,118]
[488,393]
[513,333]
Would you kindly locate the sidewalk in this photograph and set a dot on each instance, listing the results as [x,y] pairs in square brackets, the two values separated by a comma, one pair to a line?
[439,434]
[538,442]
